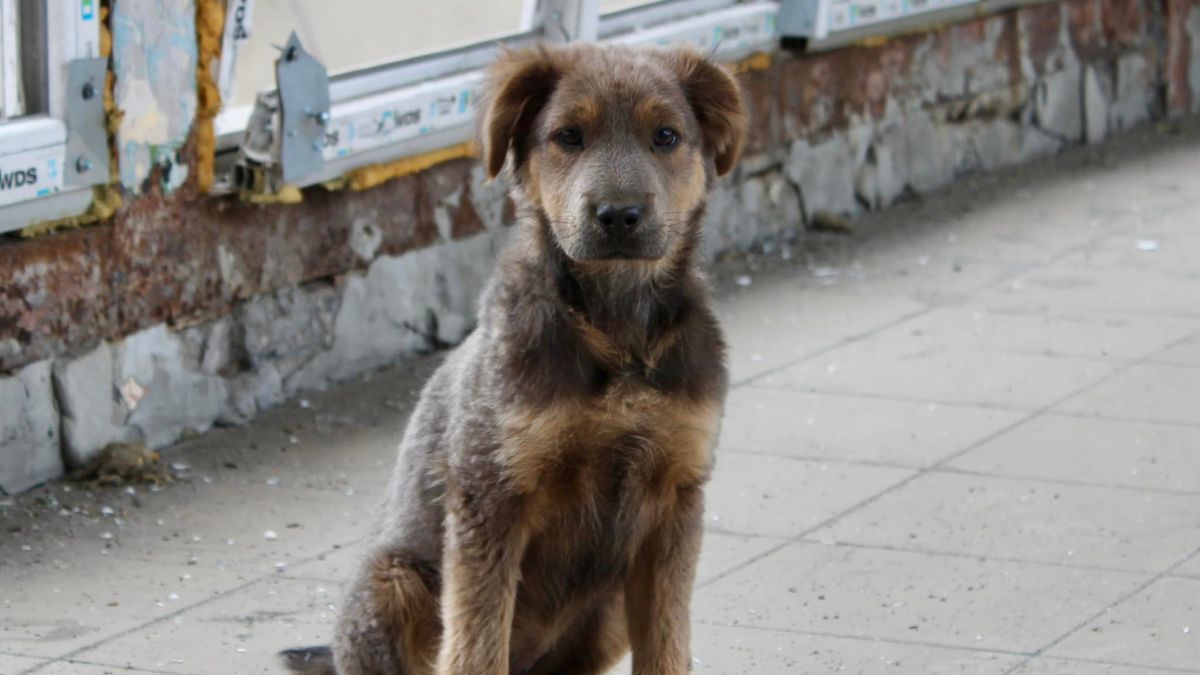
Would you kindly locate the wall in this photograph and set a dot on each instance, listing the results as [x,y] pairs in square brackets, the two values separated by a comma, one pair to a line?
[183,311]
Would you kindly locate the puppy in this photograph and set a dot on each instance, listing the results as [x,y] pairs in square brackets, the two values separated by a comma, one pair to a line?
[546,509]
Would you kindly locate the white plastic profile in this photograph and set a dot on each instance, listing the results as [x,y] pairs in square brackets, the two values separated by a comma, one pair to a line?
[33,142]
[420,105]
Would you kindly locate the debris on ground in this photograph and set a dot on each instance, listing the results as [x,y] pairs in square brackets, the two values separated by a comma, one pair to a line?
[124,464]
[828,221]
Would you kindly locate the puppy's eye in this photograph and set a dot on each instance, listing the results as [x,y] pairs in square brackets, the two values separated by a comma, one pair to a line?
[665,138]
[569,137]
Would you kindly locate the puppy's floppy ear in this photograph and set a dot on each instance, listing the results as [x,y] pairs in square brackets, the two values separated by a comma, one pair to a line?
[518,84]
[716,101]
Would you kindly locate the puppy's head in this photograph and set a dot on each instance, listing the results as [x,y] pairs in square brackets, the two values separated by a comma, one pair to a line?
[614,146]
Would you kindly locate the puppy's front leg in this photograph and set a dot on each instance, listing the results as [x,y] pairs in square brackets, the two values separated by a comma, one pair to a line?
[485,541]
[658,592]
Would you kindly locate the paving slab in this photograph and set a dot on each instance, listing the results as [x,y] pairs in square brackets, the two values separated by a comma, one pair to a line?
[1066,286]
[1158,627]
[1048,666]
[723,553]
[942,373]
[238,633]
[780,320]
[333,566]
[950,601]
[830,426]
[269,525]
[1008,518]
[74,667]
[107,596]
[1077,449]
[994,236]
[1046,332]
[1162,246]
[921,277]
[1150,393]
[737,649]
[1183,354]
[11,665]
[782,497]
[1190,568]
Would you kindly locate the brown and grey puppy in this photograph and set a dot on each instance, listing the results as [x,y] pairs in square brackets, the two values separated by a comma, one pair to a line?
[545,513]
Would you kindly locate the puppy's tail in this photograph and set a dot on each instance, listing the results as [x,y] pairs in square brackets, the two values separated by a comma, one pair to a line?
[309,660]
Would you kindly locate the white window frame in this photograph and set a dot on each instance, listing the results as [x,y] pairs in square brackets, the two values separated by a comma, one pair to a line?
[360,99]
[37,141]
[836,17]
[822,25]
[12,90]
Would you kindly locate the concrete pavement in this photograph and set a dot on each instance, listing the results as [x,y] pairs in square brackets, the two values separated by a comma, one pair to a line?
[964,439]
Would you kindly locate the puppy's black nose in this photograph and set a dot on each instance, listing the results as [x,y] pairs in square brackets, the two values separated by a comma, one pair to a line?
[619,219]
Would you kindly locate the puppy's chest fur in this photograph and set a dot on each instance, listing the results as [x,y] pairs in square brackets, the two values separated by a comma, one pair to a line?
[610,461]
[601,473]
[610,426]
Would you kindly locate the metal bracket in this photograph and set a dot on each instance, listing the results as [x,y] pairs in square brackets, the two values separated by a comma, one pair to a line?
[303,86]
[798,19]
[87,136]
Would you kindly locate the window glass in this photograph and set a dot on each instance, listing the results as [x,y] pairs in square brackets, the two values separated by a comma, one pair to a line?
[12,94]
[352,34]
[609,6]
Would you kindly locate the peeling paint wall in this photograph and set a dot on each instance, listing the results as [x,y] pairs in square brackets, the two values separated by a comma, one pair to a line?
[186,310]
[154,59]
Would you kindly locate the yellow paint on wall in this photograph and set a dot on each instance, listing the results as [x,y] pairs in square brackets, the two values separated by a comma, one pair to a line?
[112,116]
[756,61]
[288,194]
[210,27]
[872,41]
[106,199]
[375,174]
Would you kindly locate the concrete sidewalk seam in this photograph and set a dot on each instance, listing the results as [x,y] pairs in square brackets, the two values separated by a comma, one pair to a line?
[1105,609]
[977,557]
[867,638]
